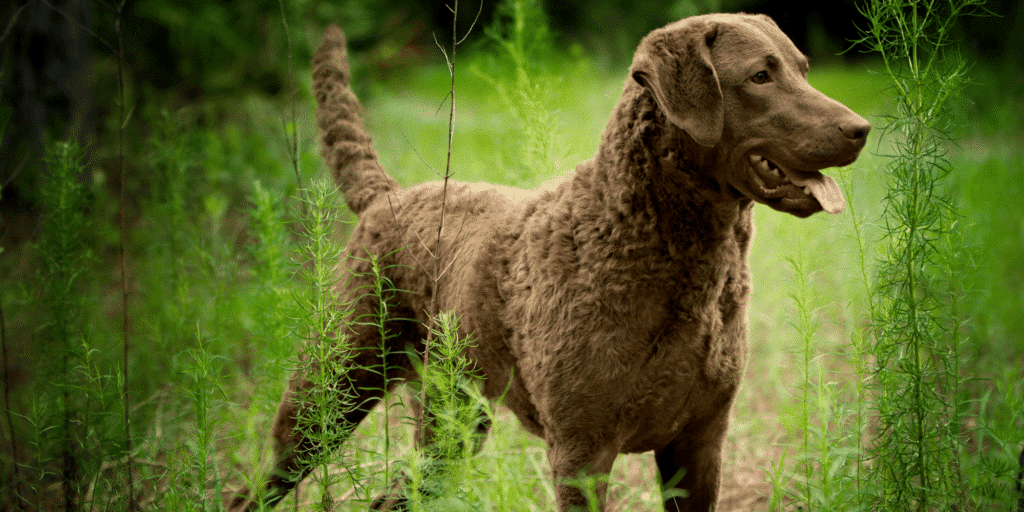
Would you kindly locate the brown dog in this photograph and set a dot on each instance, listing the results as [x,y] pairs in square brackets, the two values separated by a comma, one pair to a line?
[611,308]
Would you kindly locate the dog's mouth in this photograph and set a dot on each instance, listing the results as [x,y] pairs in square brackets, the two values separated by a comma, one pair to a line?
[778,182]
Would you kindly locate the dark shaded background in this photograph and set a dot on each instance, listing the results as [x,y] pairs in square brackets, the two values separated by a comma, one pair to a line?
[58,71]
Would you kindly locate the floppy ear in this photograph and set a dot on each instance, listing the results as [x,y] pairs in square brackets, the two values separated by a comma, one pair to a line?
[675,65]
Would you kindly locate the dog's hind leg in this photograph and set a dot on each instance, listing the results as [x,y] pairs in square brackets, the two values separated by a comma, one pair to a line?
[359,385]
[440,443]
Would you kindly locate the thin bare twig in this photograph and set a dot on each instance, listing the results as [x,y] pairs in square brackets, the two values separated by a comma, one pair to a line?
[440,106]
[432,312]
[85,28]
[7,409]
[14,174]
[394,217]
[437,272]
[418,155]
[14,20]
[293,148]
[455,255]
[124,268]
[471,25]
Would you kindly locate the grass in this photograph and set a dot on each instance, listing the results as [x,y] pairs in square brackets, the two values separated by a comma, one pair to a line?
[214,305]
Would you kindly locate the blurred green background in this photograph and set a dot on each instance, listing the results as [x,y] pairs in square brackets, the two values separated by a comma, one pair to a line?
[208,98]
[58,77]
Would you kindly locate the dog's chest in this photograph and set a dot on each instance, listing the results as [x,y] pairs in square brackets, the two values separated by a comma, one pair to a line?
[690,370]
[656,355]
[642,341]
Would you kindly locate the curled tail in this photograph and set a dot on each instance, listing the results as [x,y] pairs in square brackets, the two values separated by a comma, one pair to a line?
[346,146]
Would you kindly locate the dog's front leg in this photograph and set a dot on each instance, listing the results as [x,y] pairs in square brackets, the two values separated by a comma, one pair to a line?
[580,467]
[690,467]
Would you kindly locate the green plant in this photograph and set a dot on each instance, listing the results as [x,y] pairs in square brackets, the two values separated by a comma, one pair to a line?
[521,36]
[807,325]
[382,292]
[199,482]
[323,325]
[860,340]
[455,415]
[64,270]
[828,455]
[777,476]
[906,385]
[122,240]
[918,313]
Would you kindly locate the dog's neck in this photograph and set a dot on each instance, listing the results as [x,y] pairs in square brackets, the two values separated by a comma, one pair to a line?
[648,173]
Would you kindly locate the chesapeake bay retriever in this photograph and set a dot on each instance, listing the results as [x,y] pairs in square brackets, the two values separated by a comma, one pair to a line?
[610,310]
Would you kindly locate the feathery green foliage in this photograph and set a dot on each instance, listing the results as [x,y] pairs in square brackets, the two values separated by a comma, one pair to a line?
[383,293]
[919,322]
[898,429]
[198,485]
[323,326]
[441,474]
[454,402]
[64,341]
[522,40]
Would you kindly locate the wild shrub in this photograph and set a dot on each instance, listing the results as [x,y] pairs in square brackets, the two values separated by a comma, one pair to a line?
[68,385]
[906,399]
[919,295]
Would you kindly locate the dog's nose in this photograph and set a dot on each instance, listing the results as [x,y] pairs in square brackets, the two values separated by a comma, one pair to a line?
[855,129]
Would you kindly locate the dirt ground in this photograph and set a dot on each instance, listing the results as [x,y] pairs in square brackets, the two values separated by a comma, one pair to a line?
[744,489]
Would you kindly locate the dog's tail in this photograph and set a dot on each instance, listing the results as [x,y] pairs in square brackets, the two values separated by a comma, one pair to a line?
[346,146]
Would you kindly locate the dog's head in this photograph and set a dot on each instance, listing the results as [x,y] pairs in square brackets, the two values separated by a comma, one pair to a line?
[735,83]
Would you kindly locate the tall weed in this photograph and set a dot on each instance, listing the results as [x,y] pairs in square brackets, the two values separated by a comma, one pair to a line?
[323,326]
[899,431]
[456,417]
[64,339]
[524,44]
[917,449]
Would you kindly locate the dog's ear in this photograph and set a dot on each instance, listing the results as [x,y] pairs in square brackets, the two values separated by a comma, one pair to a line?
[674,63]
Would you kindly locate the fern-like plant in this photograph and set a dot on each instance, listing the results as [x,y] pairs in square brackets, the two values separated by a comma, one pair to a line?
[323,325]
[65,260]
[918,314]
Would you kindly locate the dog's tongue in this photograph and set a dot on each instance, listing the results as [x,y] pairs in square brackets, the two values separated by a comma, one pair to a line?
[823,188]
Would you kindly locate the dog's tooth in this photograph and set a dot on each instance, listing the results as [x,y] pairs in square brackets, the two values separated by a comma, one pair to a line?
[754,159]
[807,192]
[763,164]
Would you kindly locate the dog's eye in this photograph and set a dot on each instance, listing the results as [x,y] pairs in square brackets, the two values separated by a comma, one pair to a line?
[761,78]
